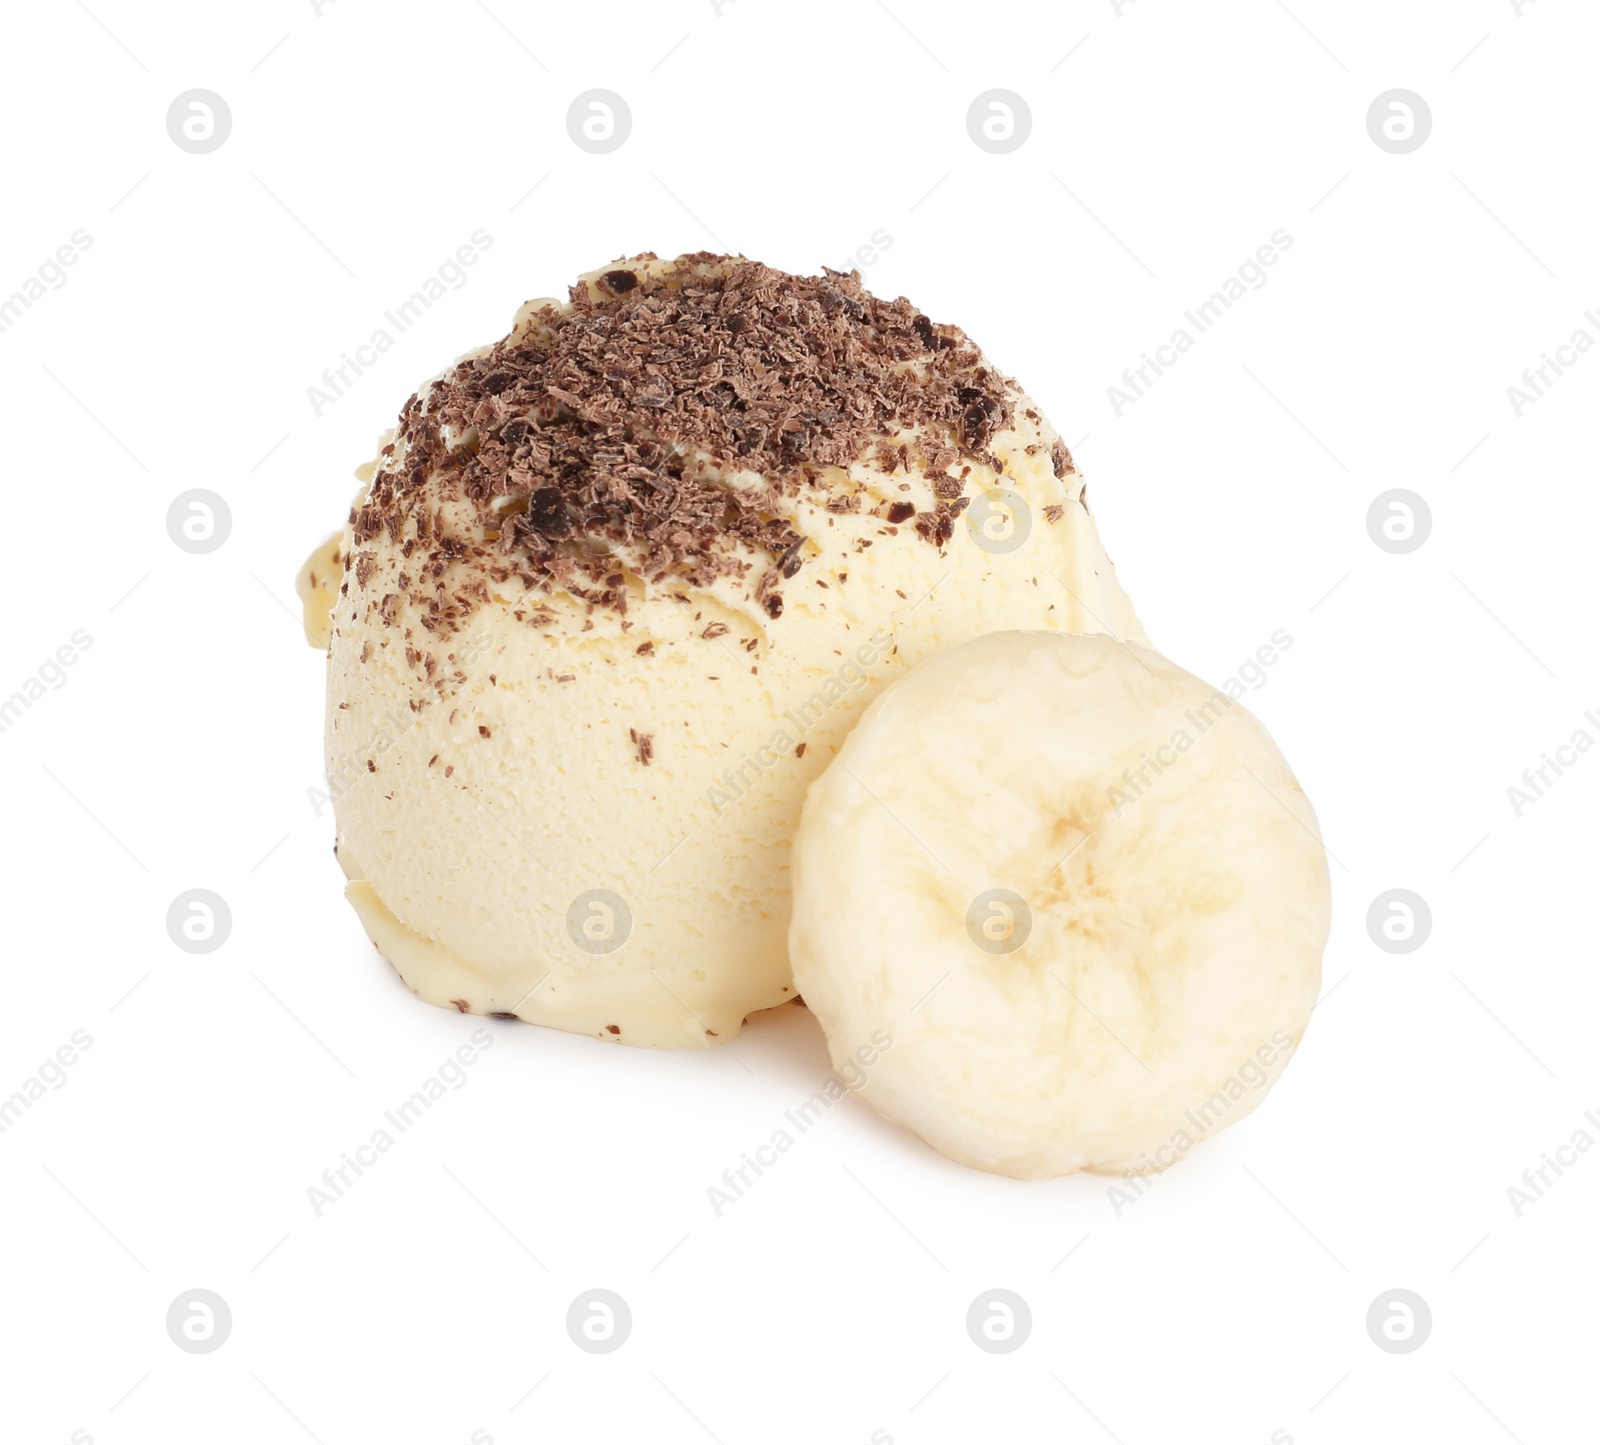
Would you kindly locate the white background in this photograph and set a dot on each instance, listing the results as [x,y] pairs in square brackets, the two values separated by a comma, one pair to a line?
[369,142]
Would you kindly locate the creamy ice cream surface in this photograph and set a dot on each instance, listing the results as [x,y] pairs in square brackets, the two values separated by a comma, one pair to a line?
[615,592]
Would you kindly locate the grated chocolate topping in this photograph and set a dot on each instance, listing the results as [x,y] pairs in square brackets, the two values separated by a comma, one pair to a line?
[596,437]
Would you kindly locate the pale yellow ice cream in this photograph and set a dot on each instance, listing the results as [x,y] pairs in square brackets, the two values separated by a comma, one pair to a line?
[573,709]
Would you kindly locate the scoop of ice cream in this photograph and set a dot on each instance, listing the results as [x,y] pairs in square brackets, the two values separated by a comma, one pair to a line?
[615,592]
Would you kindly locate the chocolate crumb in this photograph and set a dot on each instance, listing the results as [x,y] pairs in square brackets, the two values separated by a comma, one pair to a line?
[645,745]
[981,416]
[612,1029]
[799,750]
[582,452]
[547,514]
[499,1015]
[791,560]
[901,511]
[461,1005]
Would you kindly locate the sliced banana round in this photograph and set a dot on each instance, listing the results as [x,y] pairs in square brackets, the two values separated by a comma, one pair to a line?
[1059,905]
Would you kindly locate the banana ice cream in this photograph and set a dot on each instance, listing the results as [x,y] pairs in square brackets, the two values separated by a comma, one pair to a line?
[613,594]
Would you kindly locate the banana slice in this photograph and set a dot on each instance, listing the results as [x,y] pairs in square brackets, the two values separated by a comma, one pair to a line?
[1059,905]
